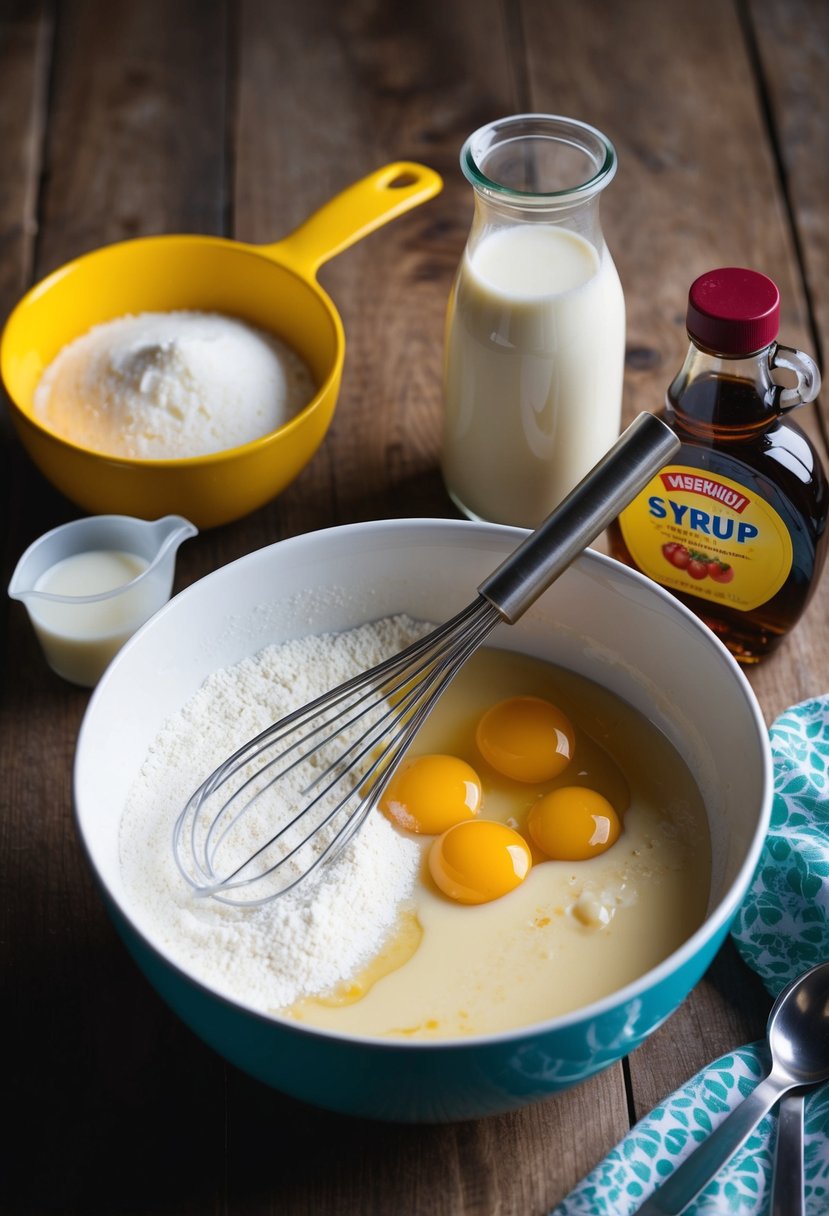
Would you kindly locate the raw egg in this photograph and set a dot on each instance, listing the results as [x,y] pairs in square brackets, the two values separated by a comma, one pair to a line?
[480,860]
[573,823]
[432,793]
[526,738]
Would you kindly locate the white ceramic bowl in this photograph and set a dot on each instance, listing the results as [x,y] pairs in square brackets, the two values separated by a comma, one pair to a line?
[601,620]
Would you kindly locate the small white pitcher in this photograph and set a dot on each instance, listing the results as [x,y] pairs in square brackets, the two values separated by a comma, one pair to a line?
[127,565]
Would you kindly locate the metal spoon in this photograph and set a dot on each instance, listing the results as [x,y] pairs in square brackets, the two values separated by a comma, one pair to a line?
[787,1191]
[798,1040]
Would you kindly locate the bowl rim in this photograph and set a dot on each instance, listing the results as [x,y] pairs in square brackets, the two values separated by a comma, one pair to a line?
[716,921]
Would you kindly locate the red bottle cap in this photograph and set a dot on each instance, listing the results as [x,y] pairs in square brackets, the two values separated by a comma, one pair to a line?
[733,311]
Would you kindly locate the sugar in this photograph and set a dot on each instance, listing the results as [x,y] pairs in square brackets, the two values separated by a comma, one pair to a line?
[322,932]
[171,385]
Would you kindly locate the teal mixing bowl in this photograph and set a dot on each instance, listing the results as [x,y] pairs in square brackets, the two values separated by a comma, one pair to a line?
[601,620]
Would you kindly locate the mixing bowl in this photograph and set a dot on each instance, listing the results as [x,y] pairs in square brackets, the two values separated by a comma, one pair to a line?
[601,620]
[273,287]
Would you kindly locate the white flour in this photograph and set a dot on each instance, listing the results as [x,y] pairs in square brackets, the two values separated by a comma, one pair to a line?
[312,938]
[172,384]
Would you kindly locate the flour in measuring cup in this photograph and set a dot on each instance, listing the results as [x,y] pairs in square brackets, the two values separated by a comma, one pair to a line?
[167,385]
[315,936]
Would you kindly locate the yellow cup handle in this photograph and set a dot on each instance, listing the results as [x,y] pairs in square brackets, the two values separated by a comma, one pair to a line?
[354,213]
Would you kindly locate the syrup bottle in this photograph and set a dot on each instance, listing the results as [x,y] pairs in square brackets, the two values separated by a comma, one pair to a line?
[736,527]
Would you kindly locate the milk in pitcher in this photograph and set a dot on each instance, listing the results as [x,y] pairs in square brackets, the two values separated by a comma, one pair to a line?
[533,370]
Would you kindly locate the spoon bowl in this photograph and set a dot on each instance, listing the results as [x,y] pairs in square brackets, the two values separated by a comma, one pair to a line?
[798,1028]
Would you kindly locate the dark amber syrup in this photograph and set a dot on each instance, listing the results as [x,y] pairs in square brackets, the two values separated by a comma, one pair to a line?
[727,428]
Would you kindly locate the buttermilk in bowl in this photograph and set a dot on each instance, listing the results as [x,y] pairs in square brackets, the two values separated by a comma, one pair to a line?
[541,846]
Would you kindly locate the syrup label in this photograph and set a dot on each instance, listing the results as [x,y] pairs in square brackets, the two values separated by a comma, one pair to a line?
[708,536]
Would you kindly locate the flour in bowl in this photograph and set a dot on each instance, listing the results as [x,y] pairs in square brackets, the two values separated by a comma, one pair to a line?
[169,385]
[322,932]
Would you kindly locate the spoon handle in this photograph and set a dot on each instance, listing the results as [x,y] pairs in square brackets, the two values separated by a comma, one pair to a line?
[787,1194]
[709,1157]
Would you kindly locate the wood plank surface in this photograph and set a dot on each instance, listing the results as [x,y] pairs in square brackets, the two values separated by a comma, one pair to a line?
[121,119]
[791,43]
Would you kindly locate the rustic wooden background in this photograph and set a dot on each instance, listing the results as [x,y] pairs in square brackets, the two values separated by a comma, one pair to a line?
[120,119]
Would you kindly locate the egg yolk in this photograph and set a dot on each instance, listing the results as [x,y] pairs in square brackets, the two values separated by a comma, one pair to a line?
[573,823]
[526,738]
[431,793]
[480,860]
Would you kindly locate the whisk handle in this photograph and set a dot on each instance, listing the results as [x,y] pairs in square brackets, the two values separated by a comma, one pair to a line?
[637,455]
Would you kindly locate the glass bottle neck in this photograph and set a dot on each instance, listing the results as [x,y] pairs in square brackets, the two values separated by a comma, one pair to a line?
[717,397]
[494,213]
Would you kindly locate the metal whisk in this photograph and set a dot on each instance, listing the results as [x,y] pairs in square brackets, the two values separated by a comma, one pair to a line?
[290,799]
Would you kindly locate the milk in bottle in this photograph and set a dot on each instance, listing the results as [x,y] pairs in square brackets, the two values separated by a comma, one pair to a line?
[535,330]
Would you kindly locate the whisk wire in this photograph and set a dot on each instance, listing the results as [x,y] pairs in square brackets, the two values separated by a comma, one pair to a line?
[395,697]
[345,745]
[290,724]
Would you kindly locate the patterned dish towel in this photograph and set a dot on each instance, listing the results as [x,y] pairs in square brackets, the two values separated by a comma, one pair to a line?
[781,930]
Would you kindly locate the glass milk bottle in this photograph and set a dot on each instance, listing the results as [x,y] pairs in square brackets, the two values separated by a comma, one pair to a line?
[535,329]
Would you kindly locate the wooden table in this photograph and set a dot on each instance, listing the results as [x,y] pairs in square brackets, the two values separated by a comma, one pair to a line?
[120,119]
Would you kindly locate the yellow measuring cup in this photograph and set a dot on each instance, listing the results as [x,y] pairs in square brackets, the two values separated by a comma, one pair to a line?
[271,286]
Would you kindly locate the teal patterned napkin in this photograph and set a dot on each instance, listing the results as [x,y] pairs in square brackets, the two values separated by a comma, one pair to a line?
[781,930]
